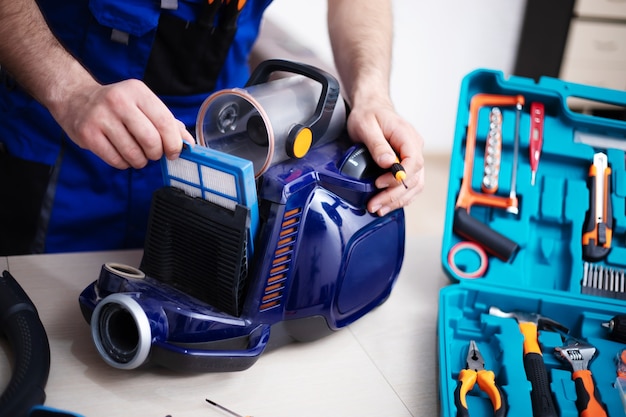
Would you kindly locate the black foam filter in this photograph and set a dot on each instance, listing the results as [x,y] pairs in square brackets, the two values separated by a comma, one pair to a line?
[198,247]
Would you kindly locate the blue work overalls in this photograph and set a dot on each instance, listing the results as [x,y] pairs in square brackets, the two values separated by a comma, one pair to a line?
[56,197]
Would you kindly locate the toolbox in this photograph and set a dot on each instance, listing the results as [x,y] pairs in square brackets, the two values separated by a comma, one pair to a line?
[534,245]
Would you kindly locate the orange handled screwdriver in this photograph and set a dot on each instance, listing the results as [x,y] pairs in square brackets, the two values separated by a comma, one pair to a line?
[398,172]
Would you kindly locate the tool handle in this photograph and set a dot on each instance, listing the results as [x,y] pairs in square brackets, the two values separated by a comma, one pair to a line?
[467,379]
[598,228]
[536,136]
[540,395]
[493,242]
[588,399]
[487,383]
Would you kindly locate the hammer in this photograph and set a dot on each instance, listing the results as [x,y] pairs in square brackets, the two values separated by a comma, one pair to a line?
[536,372]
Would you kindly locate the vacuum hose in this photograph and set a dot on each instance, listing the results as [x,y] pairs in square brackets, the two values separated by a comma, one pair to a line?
[20,323]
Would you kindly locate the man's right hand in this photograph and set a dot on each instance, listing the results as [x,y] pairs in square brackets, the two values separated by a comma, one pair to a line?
[125,123]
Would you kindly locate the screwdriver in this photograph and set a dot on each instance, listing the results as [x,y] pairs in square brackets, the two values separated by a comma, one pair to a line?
[398,172]
[231,412]
[617,328]
[536,138]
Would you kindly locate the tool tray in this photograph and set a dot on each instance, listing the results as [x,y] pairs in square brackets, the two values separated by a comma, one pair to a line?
[526,243]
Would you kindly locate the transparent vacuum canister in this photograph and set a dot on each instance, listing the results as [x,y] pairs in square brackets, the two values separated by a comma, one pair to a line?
[266,123]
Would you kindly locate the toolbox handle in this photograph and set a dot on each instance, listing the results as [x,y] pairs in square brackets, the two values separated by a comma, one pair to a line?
[569,90]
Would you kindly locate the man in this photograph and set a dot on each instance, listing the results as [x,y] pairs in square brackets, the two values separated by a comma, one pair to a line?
[94,92]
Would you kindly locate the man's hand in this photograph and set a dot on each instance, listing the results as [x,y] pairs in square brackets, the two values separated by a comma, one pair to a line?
[361,33]
[387,136]
[125,123]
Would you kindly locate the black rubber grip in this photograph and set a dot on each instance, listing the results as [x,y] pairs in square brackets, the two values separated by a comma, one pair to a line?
[493,242]
[19,321]
[461,410]
[540,395]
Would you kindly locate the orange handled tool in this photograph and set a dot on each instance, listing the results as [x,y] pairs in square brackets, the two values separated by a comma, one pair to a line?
[534,365]
[578,355]
[467,196]
[598,228]
[475,372]
[465,225]
[398,172]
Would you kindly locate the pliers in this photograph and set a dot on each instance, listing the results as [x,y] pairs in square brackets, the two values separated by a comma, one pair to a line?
[475,372]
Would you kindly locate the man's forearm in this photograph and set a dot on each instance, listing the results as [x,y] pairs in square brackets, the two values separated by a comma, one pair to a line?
[34,57]
[361,37]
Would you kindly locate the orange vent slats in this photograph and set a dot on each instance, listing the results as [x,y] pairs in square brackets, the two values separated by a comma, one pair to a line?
[287,231]
[282,260]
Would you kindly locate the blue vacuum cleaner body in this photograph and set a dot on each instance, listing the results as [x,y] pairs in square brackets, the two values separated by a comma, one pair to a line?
[203,301]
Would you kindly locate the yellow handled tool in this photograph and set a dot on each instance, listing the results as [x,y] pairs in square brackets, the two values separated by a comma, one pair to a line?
[578,355]
[536,371]
[598,228]
[475,372]
[398,172]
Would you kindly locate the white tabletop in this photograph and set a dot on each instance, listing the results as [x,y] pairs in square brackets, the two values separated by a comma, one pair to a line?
[385,364]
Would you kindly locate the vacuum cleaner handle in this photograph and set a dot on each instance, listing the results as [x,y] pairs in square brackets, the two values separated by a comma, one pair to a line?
[319,122]
[20,322]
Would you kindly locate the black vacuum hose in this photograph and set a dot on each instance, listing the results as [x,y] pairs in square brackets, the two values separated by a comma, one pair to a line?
[20,323]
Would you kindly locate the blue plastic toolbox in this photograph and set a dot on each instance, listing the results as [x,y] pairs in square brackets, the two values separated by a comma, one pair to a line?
[536,251]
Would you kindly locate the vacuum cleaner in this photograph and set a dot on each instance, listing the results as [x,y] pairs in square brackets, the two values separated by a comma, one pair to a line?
[260,234]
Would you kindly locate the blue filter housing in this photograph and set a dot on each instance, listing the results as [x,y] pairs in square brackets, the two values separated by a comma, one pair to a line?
[220,178]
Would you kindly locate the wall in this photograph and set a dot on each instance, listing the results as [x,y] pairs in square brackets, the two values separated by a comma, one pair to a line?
[435,44]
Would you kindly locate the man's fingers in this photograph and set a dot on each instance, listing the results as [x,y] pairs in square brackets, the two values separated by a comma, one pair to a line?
[368,131]
[142,133]
[395,196]
[104,149]
[390,139]
[151,129]
[125,124]
[171,132]
[175,147]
